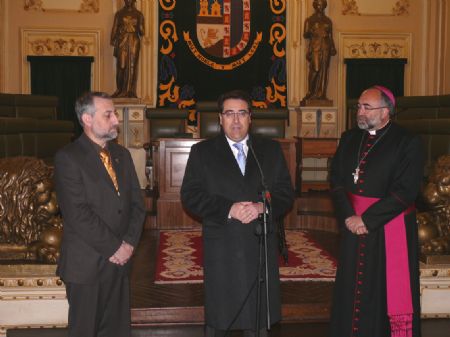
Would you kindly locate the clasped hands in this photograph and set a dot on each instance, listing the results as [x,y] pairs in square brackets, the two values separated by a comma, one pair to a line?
[246,211]
[356,225]
[123,254]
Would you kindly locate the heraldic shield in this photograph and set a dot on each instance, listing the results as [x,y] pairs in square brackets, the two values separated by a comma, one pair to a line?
[223,26]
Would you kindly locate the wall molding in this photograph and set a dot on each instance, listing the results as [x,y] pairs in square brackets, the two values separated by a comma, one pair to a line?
[60,42]
[3,36]
[370,45]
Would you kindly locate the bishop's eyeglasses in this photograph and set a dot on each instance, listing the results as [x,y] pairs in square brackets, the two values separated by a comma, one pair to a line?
[367,107]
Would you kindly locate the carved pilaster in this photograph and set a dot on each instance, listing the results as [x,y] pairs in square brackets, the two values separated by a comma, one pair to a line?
[149,46]
[3,31]
[295,51]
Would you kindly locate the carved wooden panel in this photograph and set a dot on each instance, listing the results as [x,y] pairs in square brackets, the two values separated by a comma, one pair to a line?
[170,159]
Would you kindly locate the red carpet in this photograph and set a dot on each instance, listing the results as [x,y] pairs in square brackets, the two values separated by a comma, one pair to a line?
[180,258]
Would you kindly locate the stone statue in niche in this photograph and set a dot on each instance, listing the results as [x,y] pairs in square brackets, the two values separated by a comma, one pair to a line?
[126,34]
[318,30]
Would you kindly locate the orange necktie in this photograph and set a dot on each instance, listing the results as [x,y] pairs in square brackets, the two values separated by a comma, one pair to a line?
[106,159]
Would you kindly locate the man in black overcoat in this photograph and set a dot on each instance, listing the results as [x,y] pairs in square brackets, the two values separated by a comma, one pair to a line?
[222,186]
[103,214]
[376,176]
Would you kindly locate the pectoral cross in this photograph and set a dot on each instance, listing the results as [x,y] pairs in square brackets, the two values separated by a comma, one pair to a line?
[355,175]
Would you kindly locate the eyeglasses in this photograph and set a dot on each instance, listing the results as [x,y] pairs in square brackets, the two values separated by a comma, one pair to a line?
[239,114]
[367,107]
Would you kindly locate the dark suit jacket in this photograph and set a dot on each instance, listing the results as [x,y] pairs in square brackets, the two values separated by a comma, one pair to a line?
[211,184]
[96,219]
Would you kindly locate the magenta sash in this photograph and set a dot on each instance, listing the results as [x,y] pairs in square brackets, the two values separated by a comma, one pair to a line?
[399,299]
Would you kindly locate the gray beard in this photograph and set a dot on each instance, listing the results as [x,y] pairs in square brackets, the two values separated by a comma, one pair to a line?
[108,136]
[365,124]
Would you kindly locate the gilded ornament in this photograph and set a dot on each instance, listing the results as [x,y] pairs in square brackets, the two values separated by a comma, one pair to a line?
[170,92]
[31,225]
[278,6]
[401,8]
[33,5]
[167,5]
[277,36]
[434,224]
[56,47]
[168,32]
[89,6]
[375,50]
[276,93]
[350,7]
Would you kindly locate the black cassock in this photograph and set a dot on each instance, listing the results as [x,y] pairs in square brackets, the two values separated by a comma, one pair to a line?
[390,169]
[211,184]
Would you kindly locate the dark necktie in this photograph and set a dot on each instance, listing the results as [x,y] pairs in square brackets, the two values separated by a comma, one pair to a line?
[106,159]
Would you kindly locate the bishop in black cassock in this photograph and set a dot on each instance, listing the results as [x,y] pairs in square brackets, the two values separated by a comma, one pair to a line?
[375,177]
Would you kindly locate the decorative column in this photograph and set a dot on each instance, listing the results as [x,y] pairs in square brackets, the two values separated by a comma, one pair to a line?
[133,129]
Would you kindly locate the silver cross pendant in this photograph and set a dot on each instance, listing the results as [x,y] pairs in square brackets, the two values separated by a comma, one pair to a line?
[355,175]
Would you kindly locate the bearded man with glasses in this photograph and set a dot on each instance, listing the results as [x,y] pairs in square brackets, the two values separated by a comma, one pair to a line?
[222,185]
[375,177]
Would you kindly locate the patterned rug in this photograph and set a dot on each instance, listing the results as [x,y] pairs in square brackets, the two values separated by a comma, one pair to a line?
[180,258]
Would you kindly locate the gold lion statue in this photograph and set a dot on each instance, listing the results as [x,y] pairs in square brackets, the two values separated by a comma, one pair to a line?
[434,225]
[31,228]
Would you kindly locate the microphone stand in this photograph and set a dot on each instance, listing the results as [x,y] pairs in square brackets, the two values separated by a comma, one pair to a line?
[265,196]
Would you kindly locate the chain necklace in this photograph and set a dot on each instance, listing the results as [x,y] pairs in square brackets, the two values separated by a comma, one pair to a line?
[359,160]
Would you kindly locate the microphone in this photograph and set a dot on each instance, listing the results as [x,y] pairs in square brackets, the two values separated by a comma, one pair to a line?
[263,180]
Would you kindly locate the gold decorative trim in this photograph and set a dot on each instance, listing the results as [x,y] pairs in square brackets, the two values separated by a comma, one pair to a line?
[35,5]
[30,282]
[167,5]
[60,47]
[435,272]
[401,8]
[375,49]
[60,42]
[278,6]
[86,6]
[350,7]
[276,39]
